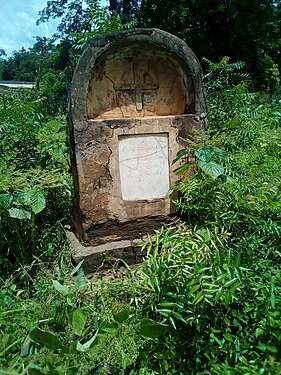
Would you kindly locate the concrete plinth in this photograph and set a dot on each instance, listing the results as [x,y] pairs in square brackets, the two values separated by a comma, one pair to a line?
[106,255]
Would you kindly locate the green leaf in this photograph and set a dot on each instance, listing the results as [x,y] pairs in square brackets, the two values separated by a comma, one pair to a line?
[152,329]
[179,316]
[179,155]
[60,150]
[272,295]
[108,327]
[230,282]
[5,201]
[122,315]
[211,168]
[262,347]
[45,338]
[194,289]
[60,288]
[238,273]
[167,304]
[164,312]
[227,299]
[79,319]
[204,153]
[61,265]
[229,180]
[228,337]
[84,347]
[158,355]
[165,365]
[19,213]
[35,370]
[22,196]
[199,296]
[77,268]
[38,201]
[181,168]
[46,147]
[33,198]
[80,279]
[25,347]
[172,321]
[204,234]
[80,347]
[220,153]
[272,300]
[272,349]
[258,332]
[214,338]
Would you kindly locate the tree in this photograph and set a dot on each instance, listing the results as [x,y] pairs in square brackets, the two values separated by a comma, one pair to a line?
[2,61]
[2,53]
[43,45]
[73,18]
[244,30]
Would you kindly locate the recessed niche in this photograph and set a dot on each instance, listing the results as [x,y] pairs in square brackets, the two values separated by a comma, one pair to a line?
[139,81]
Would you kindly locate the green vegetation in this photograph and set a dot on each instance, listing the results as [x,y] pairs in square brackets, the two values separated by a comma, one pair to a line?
[247,30]
[207,299]
[35,184]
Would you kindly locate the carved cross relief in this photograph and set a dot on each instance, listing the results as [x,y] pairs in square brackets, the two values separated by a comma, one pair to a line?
[142,83]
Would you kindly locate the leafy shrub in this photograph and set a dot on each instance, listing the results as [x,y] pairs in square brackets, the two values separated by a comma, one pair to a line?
[223,310]
[75,329]
[53,93]
[215,279]
[35,185]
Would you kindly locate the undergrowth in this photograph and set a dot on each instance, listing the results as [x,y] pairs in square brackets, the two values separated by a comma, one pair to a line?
[207,299]
[35,185]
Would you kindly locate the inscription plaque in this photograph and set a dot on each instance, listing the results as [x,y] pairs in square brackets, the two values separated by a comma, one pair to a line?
[144,166]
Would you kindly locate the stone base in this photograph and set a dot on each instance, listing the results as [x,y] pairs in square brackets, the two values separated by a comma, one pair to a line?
[105,255]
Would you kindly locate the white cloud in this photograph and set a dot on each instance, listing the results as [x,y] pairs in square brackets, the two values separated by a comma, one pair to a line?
[18,23]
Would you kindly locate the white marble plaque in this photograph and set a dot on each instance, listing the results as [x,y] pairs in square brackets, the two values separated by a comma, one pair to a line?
[144,166]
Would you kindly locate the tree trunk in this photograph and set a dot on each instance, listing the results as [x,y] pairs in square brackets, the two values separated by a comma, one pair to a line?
[113,5]
[126,7]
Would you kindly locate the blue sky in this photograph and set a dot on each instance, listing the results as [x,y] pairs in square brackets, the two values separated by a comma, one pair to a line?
[18,24]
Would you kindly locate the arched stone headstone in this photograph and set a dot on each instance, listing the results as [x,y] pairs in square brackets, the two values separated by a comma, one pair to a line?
[135,96]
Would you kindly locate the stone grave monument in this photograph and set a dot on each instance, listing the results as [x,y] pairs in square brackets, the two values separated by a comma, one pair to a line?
[135,96]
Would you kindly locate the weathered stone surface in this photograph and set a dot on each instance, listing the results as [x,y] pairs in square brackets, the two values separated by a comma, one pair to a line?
[114,230]
[136,81]
[135,96]
[104,256]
